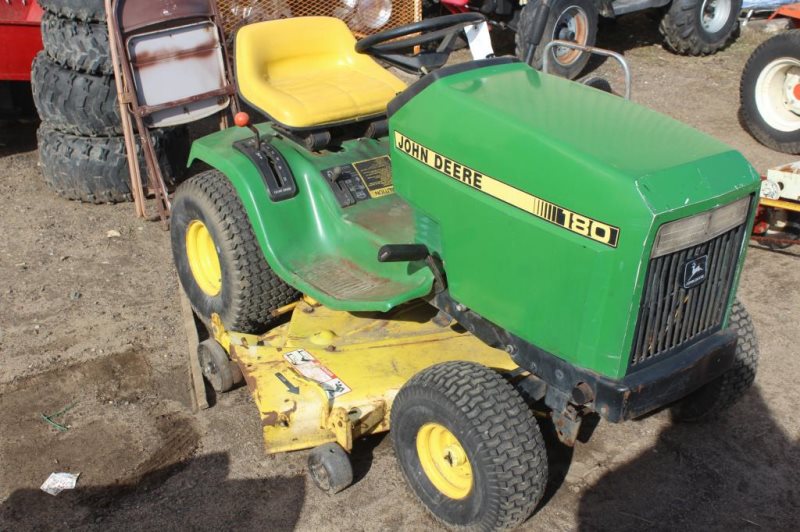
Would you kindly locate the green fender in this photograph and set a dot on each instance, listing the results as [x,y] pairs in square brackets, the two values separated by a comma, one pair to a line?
[309,240]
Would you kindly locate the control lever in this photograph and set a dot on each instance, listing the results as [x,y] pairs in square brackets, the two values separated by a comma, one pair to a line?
[415,252]
[242,119]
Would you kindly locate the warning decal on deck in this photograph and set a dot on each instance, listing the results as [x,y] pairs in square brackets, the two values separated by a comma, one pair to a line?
[377,175]
[312,369]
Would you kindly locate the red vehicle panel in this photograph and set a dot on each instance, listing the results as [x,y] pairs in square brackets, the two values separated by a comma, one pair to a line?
[456,6]
[20,38]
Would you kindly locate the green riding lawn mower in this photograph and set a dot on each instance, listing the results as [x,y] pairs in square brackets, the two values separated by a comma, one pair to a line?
[449,258]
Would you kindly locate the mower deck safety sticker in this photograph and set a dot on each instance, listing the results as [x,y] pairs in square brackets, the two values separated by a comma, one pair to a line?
[312,369]
[555,214]
[377,175]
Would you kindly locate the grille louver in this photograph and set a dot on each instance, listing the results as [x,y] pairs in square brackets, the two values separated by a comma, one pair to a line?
[672,315]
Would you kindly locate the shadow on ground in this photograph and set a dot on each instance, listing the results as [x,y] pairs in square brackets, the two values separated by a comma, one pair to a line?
[738,473]
[192,495]
[17,136]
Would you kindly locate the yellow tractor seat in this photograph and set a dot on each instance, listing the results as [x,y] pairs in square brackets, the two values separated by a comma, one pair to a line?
[304,73]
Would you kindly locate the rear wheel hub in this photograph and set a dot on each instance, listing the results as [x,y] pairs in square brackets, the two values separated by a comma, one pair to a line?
[203,258]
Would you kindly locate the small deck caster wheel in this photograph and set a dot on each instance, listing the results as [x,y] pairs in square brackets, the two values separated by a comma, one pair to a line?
[329,468]
[218,369]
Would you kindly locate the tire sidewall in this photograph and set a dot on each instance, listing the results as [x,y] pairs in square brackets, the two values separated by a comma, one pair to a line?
[557,9]
[725,31]
[186,209]
[405,426]
[61,95]
[783,45]
[719,394]
[77,44]
[86,10]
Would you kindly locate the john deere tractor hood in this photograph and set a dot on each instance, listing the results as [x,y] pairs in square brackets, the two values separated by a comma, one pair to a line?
[534,188]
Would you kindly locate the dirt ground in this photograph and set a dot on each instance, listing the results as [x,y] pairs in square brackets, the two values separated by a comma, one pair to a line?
[93,322]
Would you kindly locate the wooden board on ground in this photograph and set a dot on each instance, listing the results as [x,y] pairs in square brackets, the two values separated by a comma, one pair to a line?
[200,402]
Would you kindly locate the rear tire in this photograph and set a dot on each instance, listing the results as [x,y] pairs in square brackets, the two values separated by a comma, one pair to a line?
[75,102]
[77,45]
[767,83]
[700,27]
[229,276]
[570,20]
[79,9]
[721,393]
[469,446]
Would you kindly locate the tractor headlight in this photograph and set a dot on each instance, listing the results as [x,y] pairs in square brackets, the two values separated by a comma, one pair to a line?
[699,228]
[374,14]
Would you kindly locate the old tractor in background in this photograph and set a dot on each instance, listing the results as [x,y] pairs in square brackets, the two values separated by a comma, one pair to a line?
[689,27]
[440,260]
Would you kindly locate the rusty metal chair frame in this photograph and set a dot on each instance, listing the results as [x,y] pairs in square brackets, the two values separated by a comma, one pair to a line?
[123,25]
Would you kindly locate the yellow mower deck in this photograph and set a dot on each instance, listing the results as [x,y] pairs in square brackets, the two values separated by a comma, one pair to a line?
[331,376]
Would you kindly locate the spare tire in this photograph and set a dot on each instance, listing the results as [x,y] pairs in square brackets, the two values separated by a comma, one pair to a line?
[95,169]
[77,44]
[74,102]
[79,9]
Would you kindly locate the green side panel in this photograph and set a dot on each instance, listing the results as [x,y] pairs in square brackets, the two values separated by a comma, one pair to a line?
[312,243]
[592,153]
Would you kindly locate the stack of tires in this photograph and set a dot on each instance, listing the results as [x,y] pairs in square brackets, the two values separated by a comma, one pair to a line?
[81,147]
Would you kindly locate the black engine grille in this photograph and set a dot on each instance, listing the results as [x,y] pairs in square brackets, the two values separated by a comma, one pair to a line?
[671,315]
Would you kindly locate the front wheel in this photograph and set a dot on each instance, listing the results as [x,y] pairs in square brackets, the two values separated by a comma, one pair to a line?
[469,446]
[769,93]
[568,20]
[716,396]
[700,27]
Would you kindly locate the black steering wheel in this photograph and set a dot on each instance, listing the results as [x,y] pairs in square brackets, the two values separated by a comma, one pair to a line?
[397,45]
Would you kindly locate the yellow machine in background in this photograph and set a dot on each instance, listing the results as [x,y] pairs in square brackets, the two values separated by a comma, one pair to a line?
[777,224]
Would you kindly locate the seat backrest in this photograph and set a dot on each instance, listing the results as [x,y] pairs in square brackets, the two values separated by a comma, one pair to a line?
[282,48]
[305,73]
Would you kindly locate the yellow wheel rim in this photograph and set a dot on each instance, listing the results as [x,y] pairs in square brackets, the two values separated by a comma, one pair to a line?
[203,258]
[444,461]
